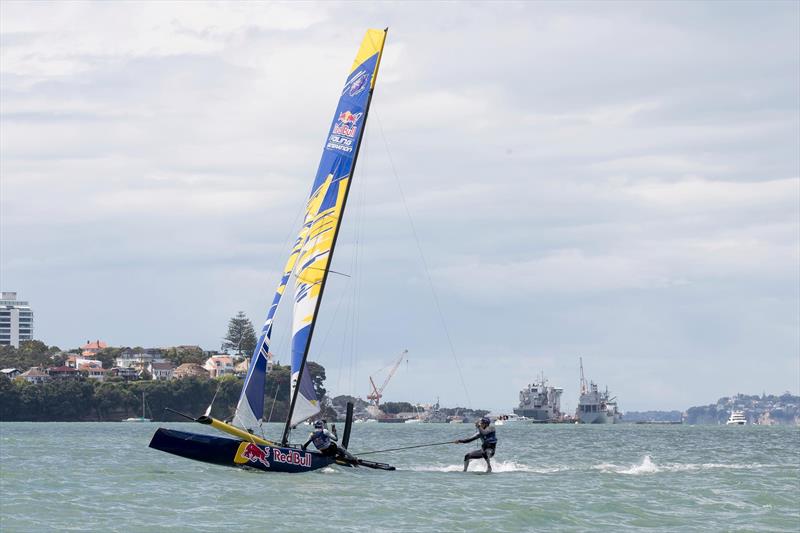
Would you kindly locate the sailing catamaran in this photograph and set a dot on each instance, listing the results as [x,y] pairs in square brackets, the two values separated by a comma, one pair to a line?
[309,262]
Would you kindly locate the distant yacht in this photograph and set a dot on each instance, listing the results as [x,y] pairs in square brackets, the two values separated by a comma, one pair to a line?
[503,420]
[737,418]
[139,418]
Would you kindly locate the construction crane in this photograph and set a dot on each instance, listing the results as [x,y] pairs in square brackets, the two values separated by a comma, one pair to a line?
[377,393]
[584,388]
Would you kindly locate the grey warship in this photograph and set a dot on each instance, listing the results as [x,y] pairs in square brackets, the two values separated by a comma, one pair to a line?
[595,406]
[540,402]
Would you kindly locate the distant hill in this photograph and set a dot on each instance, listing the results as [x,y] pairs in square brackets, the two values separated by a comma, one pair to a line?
[652,416]
[764,409]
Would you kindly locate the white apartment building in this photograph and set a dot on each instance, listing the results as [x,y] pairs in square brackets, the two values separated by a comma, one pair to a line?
[16,320]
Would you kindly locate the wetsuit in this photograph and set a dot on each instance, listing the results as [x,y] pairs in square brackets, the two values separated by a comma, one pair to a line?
[325,442]
[488,443]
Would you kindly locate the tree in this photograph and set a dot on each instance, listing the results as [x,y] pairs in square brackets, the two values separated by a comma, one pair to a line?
[241,335]
[185,354]
[107,356]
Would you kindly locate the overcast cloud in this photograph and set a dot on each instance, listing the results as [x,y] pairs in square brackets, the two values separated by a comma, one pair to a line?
[619,182]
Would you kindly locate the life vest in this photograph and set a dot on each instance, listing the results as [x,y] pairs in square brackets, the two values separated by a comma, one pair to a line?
[321,440]
[489,438]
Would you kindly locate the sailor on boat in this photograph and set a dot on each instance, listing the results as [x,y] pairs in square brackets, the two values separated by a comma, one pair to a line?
[325,442]
[485,432]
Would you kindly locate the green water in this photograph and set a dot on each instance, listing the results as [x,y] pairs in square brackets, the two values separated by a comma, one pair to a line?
[103,477]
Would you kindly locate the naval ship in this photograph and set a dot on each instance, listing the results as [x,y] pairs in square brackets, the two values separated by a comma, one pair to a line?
[594,406]
[540,402]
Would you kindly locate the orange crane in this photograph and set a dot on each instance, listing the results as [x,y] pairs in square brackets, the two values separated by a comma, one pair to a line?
[377,393]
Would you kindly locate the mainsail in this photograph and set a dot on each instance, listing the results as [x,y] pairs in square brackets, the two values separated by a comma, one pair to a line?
[313,248]
[324,212]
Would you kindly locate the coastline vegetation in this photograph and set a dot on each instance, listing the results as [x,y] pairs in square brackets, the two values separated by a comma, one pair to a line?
[83,399]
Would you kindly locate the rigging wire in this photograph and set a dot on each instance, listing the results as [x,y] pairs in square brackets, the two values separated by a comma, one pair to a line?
[424,262]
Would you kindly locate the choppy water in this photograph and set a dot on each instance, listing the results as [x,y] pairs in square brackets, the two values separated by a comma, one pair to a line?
[103,477]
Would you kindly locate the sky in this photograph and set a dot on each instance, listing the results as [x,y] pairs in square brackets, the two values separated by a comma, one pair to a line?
[539,182]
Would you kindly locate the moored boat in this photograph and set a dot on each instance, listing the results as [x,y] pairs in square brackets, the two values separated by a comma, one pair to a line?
[737,418]
[139,418]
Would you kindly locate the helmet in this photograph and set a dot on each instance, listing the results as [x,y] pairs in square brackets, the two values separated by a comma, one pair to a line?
[485,421]
[319,424]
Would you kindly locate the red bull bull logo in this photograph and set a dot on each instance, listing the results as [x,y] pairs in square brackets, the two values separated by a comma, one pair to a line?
[346,124]
[254,454]
[347,117]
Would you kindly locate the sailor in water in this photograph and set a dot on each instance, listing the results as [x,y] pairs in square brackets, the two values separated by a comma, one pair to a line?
[485,432]
[325,442]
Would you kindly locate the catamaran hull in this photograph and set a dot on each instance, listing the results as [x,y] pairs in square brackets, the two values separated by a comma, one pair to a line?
[235,452]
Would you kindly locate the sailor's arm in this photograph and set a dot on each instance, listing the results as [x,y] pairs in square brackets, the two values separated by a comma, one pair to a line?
[472,438]
[310,438]
[332,436]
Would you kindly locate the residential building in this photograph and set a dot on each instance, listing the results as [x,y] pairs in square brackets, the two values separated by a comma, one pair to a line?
[125,373]
[94,372]
[16,320]
[35,375]
[10,373]
[63,372]
[219,365]
[243,366]
[90,349]
[161,371]
[77,361]
[137,360]
[190,370]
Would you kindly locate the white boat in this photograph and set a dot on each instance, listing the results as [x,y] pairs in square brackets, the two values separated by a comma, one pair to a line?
[504,420]
[457,420]
[737,418]
[413,421]
[139,418]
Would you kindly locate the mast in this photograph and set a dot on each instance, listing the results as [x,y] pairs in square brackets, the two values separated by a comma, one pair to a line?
[301,370]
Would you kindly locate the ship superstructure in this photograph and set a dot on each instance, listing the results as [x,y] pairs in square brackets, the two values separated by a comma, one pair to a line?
[595,406]
[540,402]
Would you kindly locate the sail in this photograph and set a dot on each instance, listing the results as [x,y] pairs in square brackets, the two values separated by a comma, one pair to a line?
[250,408]
[324,211]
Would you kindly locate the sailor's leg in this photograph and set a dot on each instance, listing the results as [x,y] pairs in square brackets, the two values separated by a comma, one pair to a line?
[347,455]
[476,454]
[488,453]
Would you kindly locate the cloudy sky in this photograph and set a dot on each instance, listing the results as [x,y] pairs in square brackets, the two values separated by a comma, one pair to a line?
[618,182]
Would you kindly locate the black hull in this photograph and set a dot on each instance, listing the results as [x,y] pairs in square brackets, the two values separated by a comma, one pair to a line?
[236,452]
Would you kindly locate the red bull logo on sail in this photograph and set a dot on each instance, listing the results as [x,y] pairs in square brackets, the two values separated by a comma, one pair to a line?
[254,454]
[346,125]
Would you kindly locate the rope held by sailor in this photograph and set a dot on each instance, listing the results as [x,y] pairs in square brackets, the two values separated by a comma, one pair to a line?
[407,447]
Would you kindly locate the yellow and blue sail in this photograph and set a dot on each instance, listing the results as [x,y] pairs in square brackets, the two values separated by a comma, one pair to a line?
[324,211]
[310,257]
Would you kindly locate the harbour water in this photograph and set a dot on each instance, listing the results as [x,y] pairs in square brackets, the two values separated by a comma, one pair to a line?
[103,477]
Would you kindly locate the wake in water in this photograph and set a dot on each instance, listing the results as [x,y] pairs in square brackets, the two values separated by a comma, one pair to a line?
[644,467]
[647,466]
[497,467]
